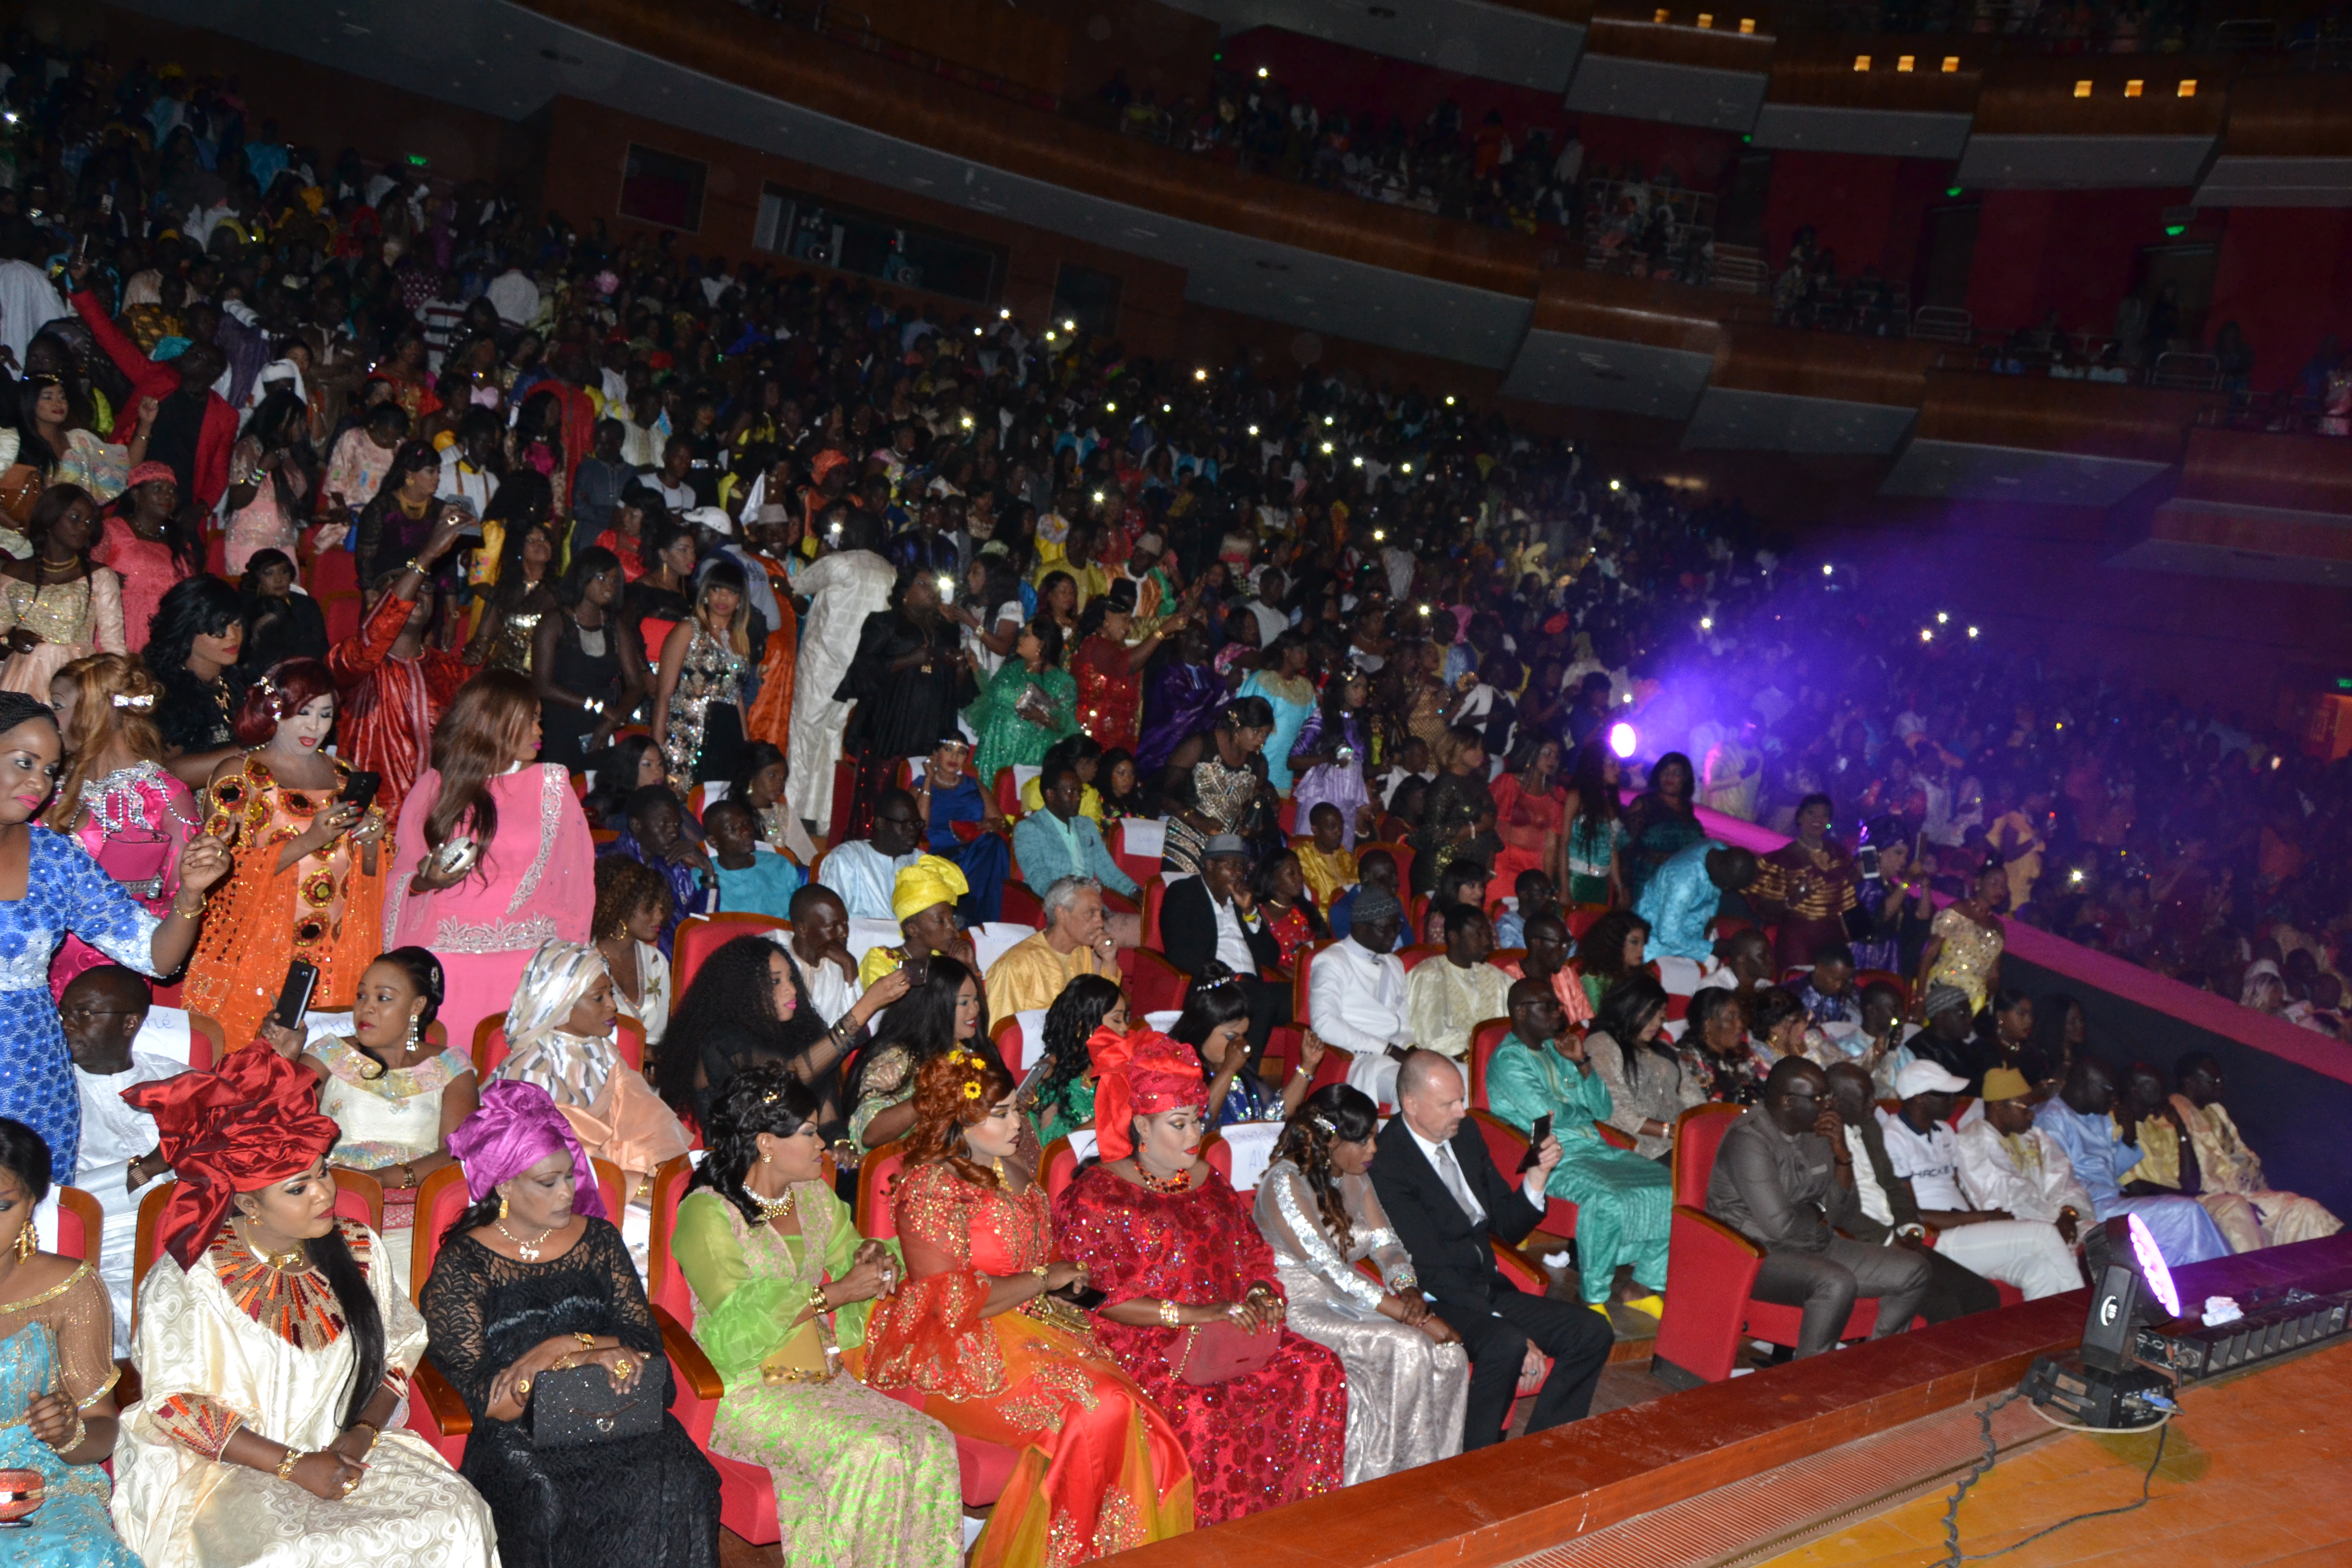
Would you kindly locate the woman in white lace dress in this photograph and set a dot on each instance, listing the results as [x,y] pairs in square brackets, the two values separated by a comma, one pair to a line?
[1408,1379]
[56,604]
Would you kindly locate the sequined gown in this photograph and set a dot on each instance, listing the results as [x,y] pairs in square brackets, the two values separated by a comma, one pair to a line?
[1406,1392]
[1110,695]
[59,1340]
[1256,1441]
[65,890]
[323,908]
[709,675]
[138,820]
[649,1502]
[862,1480]
[393,1117]
[1008,738]
[1181,703]
[1967,955]
[72,619]
[1099,1470]
[230,1343]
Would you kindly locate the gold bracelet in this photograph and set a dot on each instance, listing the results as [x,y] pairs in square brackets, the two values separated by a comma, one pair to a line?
[190,914]
[589,1341]
[1167,1311]
[817,1303]
[285,1466]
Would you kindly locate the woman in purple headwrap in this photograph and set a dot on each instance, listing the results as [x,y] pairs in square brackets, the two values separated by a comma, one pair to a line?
[1179,700]
[534,1279]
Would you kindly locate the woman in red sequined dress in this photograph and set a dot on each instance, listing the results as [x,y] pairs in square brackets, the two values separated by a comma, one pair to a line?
[977,1335]
[1109,673]
[1189,1289]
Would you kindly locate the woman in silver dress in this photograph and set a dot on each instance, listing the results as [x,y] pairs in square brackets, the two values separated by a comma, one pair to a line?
[698,690]
[1408,1379]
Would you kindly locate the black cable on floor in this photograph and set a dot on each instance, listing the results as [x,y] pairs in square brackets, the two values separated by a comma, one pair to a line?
[1953,1558]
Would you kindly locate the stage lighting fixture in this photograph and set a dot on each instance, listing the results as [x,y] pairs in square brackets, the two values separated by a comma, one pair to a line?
[1621,741]
[2107,1385]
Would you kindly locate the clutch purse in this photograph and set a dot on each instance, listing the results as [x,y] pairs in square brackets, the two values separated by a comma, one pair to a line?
[1216,1351]
[578,1404]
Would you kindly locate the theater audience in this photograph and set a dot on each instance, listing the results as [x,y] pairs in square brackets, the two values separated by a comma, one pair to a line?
[273,1346]
[1356,991]
[1316,1207]
[943,1012]
[752,880]
[1374,869]
[1544,1070]
[1448,1201]
[1718,1060]
[819,948]
[633,904]
[865,871]
[983,1334]
[1888,1213]
[1448,996]
[1192,1308]
[1214,916]
[1777,1182]
[1063,841]
[2010,1164]
[1647,1084]
[655,833]
[1215,1023]
[532,1281]
[2259,1217]
[749,1006]
[1682,896]
[1076,942]
[782,1286]
[923,899]
[1065,1097]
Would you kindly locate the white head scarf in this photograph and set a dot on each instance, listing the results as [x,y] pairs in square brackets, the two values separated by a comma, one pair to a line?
[572,1069]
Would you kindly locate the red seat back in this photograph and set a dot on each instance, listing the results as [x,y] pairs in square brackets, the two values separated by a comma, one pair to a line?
[1155,892]
[1400,853]
[1008,795]
[876,1174]
[666,1285]
[1581,918]
[440,1199]
[699,936]
[1698,1133]
[1420,953]
[1022,907]
[1300,995]
[81,1222]
[491,1044]
[1484,1040]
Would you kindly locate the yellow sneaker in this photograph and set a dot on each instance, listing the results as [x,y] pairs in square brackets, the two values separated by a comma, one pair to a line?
[1601,1308]
[1654,1305]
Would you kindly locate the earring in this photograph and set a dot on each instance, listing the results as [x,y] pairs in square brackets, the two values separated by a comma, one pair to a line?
[25,1243]
[503,1206]
[413,1031]
[764,1159]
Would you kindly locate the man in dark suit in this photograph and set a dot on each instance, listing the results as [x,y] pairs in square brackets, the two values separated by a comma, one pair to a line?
[1212,916]
[1446,1200]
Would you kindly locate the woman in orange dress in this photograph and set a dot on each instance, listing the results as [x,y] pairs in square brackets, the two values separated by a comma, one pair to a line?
[308,882]
[979,1332]
[1529,806]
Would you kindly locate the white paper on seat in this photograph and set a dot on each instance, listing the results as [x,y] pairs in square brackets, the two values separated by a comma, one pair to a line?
[165,1032]
[1143,837]
[1082,1142]
[866,935]
[1253,1145]
[992,940]
[1032,1037]
[1163,1022]
[1022,773]
[45,1225]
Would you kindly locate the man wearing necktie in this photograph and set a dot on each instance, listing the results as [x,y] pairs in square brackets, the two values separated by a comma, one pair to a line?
[1449,1205]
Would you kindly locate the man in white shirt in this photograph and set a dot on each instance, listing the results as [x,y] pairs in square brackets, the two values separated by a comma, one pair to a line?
[819,946]
[865,872]
[1923,1151]
[2007,1163]
[118,1039]
[1355,994]
[514,296]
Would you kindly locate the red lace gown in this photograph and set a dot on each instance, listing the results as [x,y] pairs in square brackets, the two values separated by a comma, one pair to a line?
[1110,695]
[1100,1469]
[1257,1441]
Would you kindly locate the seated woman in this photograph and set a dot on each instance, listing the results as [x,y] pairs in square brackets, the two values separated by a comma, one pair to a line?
[533,1278]
[746,1008]
[1215,1023]
[1279,885]
[1644,1079]
[274,1345]
[560,1037]
[924,898]
[942,1013]
[634,903]
[1173,1248]
[396,1096]
[1408,1380]
[781,1285]
[1612,948]
[947,795]
[56,1378]
[1717,1063]
[1065,1097]
[979,1334]
[1544,1067]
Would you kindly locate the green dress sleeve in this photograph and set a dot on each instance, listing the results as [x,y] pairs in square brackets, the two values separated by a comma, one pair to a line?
[739,1322]
[1516,1090]
[840,1254]
[1061,688]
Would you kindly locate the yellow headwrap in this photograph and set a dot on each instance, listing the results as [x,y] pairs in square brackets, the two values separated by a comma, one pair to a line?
[930,881]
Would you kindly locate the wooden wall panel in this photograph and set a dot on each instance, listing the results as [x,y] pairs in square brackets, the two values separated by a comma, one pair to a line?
[1017,44]
[2035,95]
[1820,70]
[2277,114]
[1630,310]
[2097,418]
[1757,358]
[2252,467]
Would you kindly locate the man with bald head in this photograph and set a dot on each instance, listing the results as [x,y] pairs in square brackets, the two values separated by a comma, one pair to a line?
[1448,1204]
[1784,1178]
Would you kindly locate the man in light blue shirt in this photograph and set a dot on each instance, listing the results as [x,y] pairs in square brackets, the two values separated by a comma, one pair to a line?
[1686,892]
[2082,1122]
[1060,841]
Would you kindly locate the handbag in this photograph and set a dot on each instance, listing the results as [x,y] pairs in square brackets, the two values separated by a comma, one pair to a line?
[578,1405]
[20,487]
[1216,1351]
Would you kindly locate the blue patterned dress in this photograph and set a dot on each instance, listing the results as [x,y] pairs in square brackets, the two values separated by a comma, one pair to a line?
[59,1341]
[65,890]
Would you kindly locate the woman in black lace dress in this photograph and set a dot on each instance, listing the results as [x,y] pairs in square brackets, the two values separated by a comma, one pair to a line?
[527,1283]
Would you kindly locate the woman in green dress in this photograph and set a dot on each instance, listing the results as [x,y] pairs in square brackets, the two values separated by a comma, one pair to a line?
[1065,1097]
[781,1288]
[1028,704]
[1623,1201]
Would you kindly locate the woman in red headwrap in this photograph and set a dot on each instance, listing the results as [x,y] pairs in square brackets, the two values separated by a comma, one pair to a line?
[273,1345]
[979,1335]
[1192,1308]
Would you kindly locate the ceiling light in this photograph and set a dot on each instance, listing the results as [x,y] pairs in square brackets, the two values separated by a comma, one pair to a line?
[1326,448]
[1926,634]
[1199,376]
[1951,64]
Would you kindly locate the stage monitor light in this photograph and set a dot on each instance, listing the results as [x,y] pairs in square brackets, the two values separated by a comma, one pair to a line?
[2132,1283]
[2152,1266]
[1621,740]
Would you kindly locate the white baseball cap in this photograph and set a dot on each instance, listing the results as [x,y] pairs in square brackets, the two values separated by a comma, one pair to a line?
[1927,1078]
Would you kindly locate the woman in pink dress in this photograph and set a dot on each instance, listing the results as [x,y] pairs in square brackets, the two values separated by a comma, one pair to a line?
[146,549]
[493,856]
[115,798]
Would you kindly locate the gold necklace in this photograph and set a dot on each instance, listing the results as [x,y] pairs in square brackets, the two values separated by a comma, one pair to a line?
[526,1250]
[1178,1183]
[771,1210]
[292,1261]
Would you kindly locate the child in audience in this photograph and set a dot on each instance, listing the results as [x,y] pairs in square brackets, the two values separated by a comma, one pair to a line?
[751,880]
[1328,863]
[1537,894]
[104,1011]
